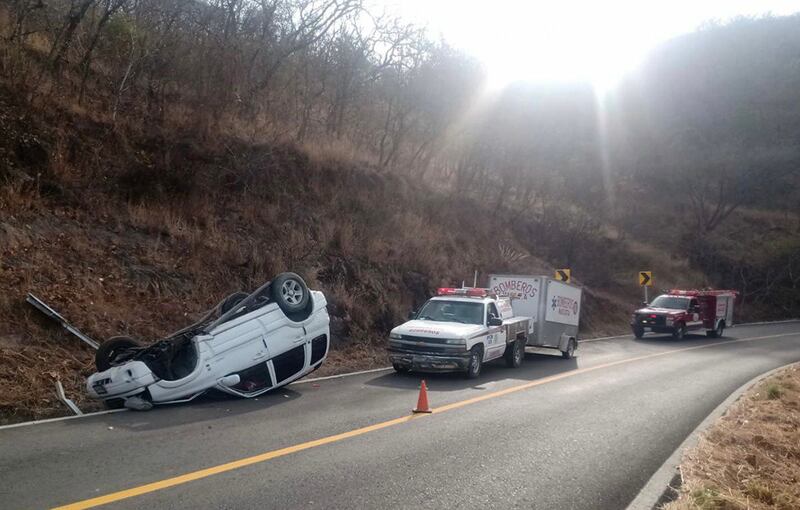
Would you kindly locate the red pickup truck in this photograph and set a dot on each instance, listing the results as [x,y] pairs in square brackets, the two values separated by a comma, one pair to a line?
[680,311]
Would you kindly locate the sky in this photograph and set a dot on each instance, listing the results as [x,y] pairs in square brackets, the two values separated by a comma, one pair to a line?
[554,41]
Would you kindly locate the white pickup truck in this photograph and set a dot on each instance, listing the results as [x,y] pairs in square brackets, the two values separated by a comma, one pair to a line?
[460,329]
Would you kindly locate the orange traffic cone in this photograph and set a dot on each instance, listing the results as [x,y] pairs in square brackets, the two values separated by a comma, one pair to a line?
[422,402]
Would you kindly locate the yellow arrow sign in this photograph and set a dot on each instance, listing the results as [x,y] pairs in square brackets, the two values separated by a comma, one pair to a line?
[563,275]
[646,278]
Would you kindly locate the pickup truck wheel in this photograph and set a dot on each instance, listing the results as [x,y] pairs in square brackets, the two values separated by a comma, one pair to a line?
[291,293]
[515,354]
[475,362]
[638,331]
[400,369]
[570,352]
[109,350]
[679,332]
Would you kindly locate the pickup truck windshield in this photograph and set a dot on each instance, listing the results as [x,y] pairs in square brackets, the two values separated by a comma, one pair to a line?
[452,311]
[670,302]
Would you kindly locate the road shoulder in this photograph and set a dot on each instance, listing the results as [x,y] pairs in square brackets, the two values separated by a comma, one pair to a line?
[664,486]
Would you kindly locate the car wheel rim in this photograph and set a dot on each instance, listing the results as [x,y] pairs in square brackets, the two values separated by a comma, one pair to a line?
[518,355]
[292,292]
[474,367]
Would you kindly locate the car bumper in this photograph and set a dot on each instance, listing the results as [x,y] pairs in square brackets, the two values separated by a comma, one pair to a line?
[654,328]
[430,362]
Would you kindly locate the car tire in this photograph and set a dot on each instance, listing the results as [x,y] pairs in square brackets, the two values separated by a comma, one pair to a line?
[475,362]
[717,333]
[291,294]
[109,349]
[638,332]
[570,352]
[515,354]
[679,333]
[400,369]
[231,301]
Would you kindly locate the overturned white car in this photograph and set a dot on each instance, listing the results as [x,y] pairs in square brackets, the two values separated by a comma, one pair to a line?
[246,345]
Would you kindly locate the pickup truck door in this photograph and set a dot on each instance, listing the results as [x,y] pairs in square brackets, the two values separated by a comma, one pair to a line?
[695,315]
[496,338]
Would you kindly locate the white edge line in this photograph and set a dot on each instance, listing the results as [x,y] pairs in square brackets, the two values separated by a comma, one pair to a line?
[60,418]
[652,491]
[764,323]
[337,376]
[109,411]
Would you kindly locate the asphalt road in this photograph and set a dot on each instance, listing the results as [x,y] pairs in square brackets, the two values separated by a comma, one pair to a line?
[582,433]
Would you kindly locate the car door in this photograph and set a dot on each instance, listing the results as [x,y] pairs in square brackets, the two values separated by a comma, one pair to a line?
[496,338]
[695,318]
[287,345]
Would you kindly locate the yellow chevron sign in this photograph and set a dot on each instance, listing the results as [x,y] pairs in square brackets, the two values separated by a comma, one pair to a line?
[563,275]
[646,278]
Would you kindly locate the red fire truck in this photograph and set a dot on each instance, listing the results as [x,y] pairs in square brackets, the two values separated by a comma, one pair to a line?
[680,311]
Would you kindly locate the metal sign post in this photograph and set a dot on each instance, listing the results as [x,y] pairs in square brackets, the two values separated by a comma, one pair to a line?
[646,280]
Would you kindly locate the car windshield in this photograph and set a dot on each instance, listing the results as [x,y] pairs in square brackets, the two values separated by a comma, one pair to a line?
[452,311]
[676,303]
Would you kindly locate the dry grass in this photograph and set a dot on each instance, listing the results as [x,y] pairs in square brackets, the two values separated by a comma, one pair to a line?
[131,233]
[750,459]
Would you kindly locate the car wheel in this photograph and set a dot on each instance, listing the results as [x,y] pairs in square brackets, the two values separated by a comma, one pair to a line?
[290,292]
[570,352]
[638,331]
[679,332]
[475,362]
[400,369]
[231,301]
[110,349]
[515,354]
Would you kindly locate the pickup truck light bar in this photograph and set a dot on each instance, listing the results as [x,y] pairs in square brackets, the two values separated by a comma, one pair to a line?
[678,292]
[467,291]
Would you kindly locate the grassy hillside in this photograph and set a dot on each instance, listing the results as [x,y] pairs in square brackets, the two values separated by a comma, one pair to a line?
[148,168]
[138,234]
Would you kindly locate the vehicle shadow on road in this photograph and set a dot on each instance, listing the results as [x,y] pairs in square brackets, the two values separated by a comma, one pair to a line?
[208,407]
[536,366]
[689,337]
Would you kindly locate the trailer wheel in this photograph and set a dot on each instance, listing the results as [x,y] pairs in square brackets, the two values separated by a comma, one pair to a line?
[638,332]
[400,369]
[109,350]
[570,352]
[679,332]
[716,333]
[475,362]
[515,354]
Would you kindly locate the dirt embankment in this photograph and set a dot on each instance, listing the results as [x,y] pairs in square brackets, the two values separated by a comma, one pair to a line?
[134,233]
[749,459]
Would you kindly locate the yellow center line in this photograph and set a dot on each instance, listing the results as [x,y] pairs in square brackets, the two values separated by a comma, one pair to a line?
[263,457]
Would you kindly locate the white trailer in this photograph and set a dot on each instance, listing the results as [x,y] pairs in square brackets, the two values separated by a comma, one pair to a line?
[554,306]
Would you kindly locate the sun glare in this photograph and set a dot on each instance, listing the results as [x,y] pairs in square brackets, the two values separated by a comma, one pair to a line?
[578,40]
